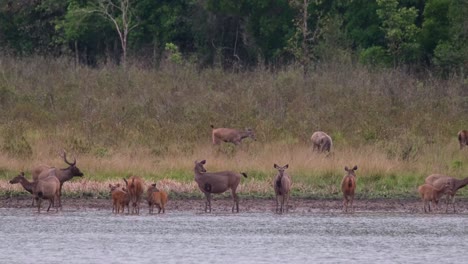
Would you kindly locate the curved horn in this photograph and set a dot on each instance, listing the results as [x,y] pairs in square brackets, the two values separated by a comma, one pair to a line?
[64,156]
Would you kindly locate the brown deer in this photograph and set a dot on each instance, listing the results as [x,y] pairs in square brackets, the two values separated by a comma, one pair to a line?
[46,188]
[21,179]
[217,182]
[156,197]
[321,142]
[348,186]
[282,186]
[135,190]
[62,175]
[439,181]
[230,135]
[430,195]
[120,198]
[463,138]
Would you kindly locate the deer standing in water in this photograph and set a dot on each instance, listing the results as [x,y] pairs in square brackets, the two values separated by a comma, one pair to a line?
[282,186]
[217,182]
[348,186]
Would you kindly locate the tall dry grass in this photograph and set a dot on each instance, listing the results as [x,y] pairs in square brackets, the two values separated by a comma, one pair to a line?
[395,126]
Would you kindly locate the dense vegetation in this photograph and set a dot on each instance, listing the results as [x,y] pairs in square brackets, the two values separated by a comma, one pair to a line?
[236,34]
[386,79]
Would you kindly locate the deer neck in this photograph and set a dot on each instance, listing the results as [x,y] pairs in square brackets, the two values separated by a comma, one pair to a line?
[461,183]
[64,175]
[27,185]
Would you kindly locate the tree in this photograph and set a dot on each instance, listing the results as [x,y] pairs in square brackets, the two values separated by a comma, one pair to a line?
[120,14]
[302,44]
[400,30]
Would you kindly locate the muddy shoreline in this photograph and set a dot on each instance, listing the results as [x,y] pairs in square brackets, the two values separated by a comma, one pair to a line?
[297,205]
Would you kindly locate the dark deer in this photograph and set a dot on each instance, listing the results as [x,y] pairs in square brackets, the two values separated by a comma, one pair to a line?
[463,138]
[230,135]
[348,186]
[282,186]
[217,182]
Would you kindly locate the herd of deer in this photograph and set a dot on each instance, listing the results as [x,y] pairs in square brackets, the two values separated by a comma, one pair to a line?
[48,181]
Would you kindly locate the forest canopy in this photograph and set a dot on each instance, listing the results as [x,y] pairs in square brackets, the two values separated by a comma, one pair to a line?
[415,34]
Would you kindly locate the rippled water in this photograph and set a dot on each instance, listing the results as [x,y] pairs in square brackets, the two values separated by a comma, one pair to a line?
[96,236]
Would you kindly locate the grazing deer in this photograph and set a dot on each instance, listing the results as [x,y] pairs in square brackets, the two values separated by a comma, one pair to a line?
[430,195]
[230,135]
[120,198]
[135,191]
[321,142]
[156,197]
[463,138]
[46,188]
[62,175]
[348,186]
[440,181]
[282,186]
[217,182]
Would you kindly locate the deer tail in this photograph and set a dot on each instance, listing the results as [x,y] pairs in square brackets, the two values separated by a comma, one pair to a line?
[244,174]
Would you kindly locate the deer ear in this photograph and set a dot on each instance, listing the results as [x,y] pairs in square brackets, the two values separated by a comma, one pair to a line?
[275,166]
[355,167]
[286,166]
[22,173]
[346,168]
[203,162]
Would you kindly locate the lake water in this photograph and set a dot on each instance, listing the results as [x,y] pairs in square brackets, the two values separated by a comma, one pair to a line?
[98,236]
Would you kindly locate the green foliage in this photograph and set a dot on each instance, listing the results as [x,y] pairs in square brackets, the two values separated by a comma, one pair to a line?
[399,27]
[375,56]
[174,54]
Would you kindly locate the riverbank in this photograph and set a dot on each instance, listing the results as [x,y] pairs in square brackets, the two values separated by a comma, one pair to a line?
[223,205]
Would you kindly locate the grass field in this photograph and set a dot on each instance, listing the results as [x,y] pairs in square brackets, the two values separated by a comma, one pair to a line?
[396,127]
[314,175]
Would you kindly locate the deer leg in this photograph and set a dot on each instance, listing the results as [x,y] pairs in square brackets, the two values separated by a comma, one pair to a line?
[208,202]
[235,200]
[351,200]
[38,202]
[453,204]
[60,197]
[287,202]
[345,204]
[50,203]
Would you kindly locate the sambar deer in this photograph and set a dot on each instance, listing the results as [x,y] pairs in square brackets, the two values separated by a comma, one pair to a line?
[217,182]
[321,142]
[282,186]
[135,190]
[156,197]
[62,175]
[348,187]
[230,135]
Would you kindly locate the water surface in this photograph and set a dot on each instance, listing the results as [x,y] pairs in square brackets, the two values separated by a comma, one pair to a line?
[98,236]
